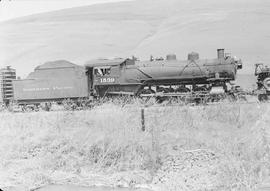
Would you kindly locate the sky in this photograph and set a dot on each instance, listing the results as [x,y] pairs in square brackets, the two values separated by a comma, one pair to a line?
[10,9]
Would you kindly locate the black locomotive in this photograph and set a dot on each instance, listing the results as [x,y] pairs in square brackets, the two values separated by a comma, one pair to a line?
[193,77]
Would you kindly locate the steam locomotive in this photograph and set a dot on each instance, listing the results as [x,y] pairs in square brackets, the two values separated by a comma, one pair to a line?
[60,80]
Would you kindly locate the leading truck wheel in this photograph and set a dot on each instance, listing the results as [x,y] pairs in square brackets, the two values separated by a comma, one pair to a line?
[262,97]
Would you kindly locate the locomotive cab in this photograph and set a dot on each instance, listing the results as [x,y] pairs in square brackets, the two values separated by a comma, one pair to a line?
[106,76]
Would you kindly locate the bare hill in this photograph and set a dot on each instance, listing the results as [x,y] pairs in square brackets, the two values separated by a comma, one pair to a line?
[141,28]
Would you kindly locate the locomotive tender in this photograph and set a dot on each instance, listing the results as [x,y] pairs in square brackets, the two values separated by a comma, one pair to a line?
[59,80]
[52,81]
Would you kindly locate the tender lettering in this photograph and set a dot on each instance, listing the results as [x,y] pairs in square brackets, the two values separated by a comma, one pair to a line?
[55,88]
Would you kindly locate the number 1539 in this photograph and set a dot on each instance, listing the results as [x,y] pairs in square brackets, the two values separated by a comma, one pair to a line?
[107,80]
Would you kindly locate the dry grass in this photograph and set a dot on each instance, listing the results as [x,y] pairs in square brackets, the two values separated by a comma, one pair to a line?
[227,145]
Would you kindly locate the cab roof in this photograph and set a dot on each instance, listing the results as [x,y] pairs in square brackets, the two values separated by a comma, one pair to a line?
[104,62]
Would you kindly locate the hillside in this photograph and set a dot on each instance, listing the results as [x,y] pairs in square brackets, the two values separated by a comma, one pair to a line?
[141,28]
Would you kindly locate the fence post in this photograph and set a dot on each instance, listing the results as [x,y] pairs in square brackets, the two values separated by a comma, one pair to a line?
[142,119]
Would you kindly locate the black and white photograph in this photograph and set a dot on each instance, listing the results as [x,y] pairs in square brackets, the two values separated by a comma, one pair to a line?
[134,95]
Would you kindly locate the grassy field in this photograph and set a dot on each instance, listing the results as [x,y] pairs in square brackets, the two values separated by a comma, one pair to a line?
[219,147]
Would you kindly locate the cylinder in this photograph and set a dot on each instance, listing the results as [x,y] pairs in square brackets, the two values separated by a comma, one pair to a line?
[220,53]
[171,57]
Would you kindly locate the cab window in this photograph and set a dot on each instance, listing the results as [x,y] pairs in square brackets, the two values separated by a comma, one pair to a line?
[102,71]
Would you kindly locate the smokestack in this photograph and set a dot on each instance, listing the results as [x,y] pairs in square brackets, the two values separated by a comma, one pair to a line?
[220,53]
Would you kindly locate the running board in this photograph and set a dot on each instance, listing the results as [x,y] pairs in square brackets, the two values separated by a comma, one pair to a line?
[161,94]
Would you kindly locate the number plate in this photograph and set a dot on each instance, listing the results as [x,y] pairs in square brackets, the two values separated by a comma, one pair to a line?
[107,80]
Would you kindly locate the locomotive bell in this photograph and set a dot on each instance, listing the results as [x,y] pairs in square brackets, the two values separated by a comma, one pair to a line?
[193,56]
[171,57]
